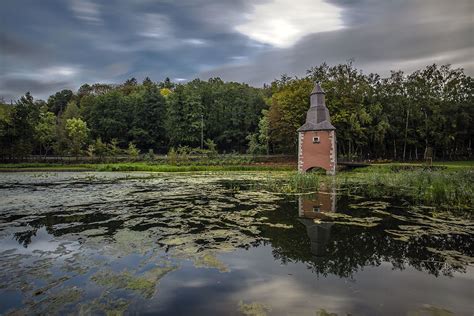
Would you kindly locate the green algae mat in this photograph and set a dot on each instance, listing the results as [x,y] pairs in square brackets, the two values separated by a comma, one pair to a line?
[220,244]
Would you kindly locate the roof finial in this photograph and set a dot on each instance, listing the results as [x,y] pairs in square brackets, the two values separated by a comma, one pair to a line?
[317,88]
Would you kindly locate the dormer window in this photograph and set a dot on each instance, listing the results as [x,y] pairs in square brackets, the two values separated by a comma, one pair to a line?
[316,140]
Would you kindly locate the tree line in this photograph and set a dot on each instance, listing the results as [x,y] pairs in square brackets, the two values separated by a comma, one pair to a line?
[397,117]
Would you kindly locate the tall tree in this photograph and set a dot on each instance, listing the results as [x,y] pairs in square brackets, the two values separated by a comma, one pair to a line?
[78,133]
[57,103]
[24,118]
[45,130]
[149,114]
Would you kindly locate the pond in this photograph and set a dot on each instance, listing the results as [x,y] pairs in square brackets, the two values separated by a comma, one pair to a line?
[214,244]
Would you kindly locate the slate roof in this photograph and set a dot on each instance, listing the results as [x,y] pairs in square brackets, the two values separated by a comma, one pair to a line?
[317,89]
[317,117]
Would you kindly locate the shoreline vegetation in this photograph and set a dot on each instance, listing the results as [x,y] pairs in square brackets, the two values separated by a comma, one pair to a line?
[229,165]
[397,118]
[141,167]
[447,185]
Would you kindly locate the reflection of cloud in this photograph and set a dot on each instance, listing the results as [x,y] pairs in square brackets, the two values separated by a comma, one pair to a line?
[288,294]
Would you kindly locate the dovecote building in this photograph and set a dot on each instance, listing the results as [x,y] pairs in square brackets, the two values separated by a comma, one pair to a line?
[317,136]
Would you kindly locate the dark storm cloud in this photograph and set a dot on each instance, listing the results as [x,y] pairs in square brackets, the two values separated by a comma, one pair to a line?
[51,44]
[114,40]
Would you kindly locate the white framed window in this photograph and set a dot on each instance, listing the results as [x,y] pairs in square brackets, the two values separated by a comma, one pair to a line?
[316,140]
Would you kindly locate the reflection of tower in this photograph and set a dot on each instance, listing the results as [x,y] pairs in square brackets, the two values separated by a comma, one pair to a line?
[315,205]
[311,209]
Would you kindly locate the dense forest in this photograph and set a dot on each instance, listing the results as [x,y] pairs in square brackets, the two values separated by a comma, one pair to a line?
[396,117]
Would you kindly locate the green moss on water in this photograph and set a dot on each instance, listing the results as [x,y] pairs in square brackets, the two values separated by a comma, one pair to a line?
[56,302]
[430,310]
[104,305]
[155,221]
[209,260]
[323,312]
[144,285]
[344,219]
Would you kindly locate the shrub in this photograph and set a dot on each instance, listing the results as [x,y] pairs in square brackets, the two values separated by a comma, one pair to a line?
[133,151]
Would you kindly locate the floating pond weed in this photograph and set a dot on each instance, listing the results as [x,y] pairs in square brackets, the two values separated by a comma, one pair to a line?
[126,243]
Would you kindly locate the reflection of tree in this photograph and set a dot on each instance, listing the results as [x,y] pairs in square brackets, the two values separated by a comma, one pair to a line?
[348,248]
[240,221]
[24,238]
[58,224]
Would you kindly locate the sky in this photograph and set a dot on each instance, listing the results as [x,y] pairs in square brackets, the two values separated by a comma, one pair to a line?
[50,45]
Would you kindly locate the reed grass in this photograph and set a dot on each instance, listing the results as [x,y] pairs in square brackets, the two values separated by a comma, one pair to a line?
[451,189]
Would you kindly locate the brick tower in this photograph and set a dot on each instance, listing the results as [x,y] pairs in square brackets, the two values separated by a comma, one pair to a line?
[317,137]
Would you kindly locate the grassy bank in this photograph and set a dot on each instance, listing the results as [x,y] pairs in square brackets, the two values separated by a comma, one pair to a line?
[143,166]
[450,186]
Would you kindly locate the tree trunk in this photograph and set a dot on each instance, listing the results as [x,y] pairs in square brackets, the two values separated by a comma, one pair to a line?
[394,150]
[426,130]
[406,135]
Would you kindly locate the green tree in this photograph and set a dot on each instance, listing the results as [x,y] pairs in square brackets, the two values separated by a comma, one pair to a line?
[184,116]
[113,147]
[21,130]
[288,107]
[133,151]
[57,103]
[45,130]
[78,132]
[109,115]
[259,141]
[71,111]
[149,115]
[100,148]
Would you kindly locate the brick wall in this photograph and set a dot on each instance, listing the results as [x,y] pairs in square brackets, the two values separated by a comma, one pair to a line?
[322,154]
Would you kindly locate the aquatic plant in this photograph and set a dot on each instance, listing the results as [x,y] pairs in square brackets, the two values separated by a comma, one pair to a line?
[292,183]
[144,285]
[115,236]
[452,190]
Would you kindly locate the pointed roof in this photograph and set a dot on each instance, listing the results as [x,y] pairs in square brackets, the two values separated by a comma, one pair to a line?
[317,89]
[317,117]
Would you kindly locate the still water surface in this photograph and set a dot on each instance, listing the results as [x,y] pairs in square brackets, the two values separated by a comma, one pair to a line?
[211,244]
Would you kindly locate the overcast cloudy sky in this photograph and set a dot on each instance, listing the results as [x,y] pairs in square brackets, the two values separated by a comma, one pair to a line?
[50,45]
